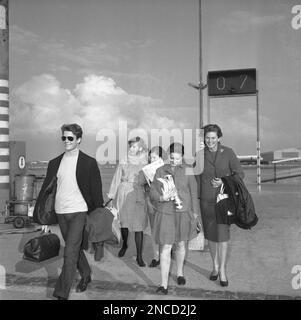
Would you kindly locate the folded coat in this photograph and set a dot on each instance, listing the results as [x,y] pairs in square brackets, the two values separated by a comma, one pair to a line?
[99,226]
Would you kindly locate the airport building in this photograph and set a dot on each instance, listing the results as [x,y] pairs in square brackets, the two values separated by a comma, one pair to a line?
[282,154]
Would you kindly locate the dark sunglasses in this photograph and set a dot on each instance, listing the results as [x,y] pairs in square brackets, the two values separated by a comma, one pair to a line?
[69,138]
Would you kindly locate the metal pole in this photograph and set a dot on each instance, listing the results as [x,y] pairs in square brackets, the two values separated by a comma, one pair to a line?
[200,64]
[258,144]
[4,104]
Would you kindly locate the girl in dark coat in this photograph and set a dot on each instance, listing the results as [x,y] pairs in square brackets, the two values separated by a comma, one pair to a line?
[173,225]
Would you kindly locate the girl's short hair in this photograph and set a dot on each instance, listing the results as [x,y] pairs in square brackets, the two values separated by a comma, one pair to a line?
[176,147]
[158,150]
[213,128]
[74,128]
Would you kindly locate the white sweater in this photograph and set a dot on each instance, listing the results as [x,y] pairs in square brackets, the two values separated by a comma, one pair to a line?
[68,197]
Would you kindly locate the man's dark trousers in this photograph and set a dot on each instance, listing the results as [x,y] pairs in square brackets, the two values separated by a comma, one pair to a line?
[72,227]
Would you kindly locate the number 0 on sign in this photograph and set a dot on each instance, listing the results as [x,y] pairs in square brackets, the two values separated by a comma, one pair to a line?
[21,162]
[231,82]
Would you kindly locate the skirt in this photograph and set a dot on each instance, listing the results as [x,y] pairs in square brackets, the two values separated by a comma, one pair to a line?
[213,231]
[132,212]
[173,228]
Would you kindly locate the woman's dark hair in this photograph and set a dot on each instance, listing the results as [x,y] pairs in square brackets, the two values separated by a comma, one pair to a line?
[176,147]
[213,128]
[74,128]
[158,150]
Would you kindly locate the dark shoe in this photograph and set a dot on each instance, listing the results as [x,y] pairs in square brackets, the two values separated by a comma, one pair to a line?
[140,262]
[61,298]
[83,284]
[213,277]
[122,251]
[154,263]
[181,280]
[162,290]
[99,251]
[223,283]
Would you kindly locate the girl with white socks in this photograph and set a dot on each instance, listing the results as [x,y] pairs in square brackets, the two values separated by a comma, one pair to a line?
[172,224]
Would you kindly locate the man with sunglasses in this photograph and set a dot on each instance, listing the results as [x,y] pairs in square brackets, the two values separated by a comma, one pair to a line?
[79,191]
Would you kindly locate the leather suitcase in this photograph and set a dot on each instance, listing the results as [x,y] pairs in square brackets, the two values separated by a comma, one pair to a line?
[42,248]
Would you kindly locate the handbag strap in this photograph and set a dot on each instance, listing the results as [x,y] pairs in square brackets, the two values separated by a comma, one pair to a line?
[222,190]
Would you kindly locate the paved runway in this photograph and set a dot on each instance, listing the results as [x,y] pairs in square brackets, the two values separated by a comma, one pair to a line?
[260,265]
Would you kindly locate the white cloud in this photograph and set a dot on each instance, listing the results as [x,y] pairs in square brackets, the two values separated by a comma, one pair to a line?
[42,105]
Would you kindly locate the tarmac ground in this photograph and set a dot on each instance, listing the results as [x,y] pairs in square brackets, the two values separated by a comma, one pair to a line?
[264,263]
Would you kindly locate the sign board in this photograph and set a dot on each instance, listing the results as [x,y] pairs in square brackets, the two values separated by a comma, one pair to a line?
[231,82]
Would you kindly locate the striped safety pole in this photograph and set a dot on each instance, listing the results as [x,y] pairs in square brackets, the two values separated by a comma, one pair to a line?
[4,104]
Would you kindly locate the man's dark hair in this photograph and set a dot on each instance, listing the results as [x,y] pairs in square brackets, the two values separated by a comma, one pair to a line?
[74,128]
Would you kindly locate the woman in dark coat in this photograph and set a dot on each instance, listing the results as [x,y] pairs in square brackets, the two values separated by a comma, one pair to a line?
[219,161]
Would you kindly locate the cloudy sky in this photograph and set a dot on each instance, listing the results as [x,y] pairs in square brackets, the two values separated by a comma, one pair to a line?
[99,61]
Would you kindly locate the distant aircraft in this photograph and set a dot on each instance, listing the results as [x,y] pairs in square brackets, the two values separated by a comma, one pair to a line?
[249,158]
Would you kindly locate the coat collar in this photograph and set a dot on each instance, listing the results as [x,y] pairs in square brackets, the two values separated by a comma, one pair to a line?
[219,152]
[167,168]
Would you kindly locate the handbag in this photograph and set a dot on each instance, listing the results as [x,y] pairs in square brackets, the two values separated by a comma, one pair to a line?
[44,211]
[224,208]
[42,248]
[197,243]
[221,195]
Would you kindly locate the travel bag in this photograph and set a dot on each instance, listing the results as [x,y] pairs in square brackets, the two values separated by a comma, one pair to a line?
[42,248]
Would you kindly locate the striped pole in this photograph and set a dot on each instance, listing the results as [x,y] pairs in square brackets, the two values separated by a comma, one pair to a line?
[4,104]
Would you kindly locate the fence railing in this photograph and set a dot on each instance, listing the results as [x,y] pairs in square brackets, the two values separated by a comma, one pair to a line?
[281,172]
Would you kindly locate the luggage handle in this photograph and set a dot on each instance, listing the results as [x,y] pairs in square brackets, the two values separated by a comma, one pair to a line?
[106,203]
[45,229]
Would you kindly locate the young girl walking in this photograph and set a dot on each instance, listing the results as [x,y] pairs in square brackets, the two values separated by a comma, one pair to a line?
[172,224]
[128,188]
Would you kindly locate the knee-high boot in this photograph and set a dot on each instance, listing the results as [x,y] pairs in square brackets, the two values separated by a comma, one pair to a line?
[139,247]
[124,235]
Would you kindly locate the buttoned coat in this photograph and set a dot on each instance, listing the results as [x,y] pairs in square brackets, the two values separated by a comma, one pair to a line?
[224,164]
